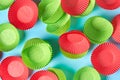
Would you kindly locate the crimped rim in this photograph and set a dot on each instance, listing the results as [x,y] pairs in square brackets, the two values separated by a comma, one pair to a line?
[94,32]
[60,74]
[12,14]
[44,73]
[109,52]
[74,46]
[83,73]
[4,67]
[31,62]
[72,55]
[105,5]
[8,26]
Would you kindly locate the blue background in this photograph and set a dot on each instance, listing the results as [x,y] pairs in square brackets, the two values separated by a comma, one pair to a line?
[69,66]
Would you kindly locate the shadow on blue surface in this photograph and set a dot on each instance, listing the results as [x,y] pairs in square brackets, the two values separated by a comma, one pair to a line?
[103,77]
[54,43]
[1,54]
[22,35]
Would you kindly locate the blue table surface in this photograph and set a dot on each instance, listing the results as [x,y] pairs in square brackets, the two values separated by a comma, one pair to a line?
[69,66]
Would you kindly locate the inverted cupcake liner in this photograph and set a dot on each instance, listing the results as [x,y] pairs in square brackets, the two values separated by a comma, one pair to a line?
[3,46]
[35,43]
[4,4]
[87,72]
[108,5]
[53,18]
[60,74]
[59,27]
[43,4]
[97,33]
[78,47]
[74,7]
[71,55]
[50,12]
[12,14]
[116,24]
[103,67]
[44,73]
[4,69]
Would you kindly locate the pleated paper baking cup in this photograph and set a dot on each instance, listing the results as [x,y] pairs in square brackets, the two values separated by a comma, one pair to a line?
[74,7]
[50,11]
[36,53]
[9,37]
[44,75]
[23,14]
[61,26]
[72,55]
[105,58]
[60,74]
[116,25]
[74,42]
[98,29]
[13,68]
[108,4]
[87,73]
[89,8]
[4,4]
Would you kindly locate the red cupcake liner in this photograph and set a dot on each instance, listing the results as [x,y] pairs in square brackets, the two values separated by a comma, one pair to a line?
[108,4]
[116,25]
[23,14]
[74,7]
[105,58]
[74,42]
[44,75]
[12,68]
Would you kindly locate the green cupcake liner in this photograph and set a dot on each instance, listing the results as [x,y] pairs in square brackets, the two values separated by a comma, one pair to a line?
[50,12]
[71,55]
[98,29]
[9,37]
[89,9]
[4,4]
[87,73]
[60,74]
[59,27]
[36,53]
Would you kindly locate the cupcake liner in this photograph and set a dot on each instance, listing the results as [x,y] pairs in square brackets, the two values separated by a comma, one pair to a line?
[60,74]
[74,7]
[108,4]
[44,75]
[72,42]
[86,73]
[116,24]
[71,55]
[19,72]
[37,47]
[89,8]
[59,27]
[105,58]
[4,4]
[23,15]
[9,37]
[98,29]
[50,12]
